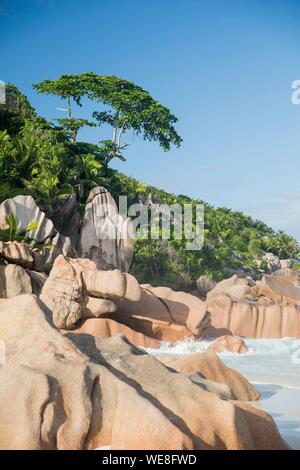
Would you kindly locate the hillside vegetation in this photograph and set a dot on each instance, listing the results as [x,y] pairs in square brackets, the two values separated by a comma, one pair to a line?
[44,159]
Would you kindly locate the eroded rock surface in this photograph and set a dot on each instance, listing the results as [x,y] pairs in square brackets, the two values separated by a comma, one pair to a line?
[77,289]
[25,210]
[269,308]
[105,236]
[14,280]
[229,343]
[21,254]
[208,365]
[79,392]
[164,314]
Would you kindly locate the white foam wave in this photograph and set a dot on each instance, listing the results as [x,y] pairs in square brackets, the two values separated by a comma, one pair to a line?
[261,347]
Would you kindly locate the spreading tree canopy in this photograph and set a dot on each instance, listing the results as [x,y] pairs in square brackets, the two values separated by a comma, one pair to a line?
[69,87]
[127,107]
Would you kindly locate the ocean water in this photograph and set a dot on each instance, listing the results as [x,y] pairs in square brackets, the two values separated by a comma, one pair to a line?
[275,361]
[272,365]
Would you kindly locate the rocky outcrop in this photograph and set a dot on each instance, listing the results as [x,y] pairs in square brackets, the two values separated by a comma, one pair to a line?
[105,236]
[79,392]
[26,211]
[76,289]
[67,219]
[208,365]
[21,254]
[233,344]
[106,327]
[204,285]
[282,287]
[14,281]
[253,319]
[237,287]
[271,309]
[273,262]
[164,314]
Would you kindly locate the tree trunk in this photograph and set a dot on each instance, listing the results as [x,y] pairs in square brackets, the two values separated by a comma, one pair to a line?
[69,108]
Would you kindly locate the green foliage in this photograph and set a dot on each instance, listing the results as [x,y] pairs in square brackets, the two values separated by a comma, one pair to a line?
[11,232]
[73,125]
[46,160]
[127,108]
[233,241]
[160,263]
[16,110]
[132,108]
[67,86]
[282,245]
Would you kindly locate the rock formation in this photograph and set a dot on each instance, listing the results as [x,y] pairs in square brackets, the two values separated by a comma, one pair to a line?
[106,327]
[204,285]
[26,211]
[229,343]
[67,219]
[21,254]
[105,236]
[14,280]
[76,290]
[208,365]
[75,391]
[269,308]
[164,314]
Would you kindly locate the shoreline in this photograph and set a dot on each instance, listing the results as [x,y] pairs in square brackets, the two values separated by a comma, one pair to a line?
[282,403]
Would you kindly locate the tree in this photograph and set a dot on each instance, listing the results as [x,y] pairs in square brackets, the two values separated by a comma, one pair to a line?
[69,87]
[283,245]
[72,126]
[130,108]
[127,108]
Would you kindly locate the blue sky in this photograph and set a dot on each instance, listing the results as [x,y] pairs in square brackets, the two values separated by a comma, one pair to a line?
[225,69]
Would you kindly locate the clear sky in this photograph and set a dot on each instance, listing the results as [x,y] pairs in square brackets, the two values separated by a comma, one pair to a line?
[224,68]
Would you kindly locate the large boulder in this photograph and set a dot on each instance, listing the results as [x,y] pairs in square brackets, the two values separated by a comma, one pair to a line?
[25,403]
[67,219]
[164,314]
[208,365]
[204,285]
[273,262]
[234,344]
[76,289]
[236,287]
[79,392]
[105,236]
[14,280]
[25,211]
[268,308]
[282,287]
[21,254]
[106,327]
[254,319]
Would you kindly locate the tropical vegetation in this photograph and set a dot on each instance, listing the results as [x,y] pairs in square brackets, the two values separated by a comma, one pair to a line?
[48,160]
